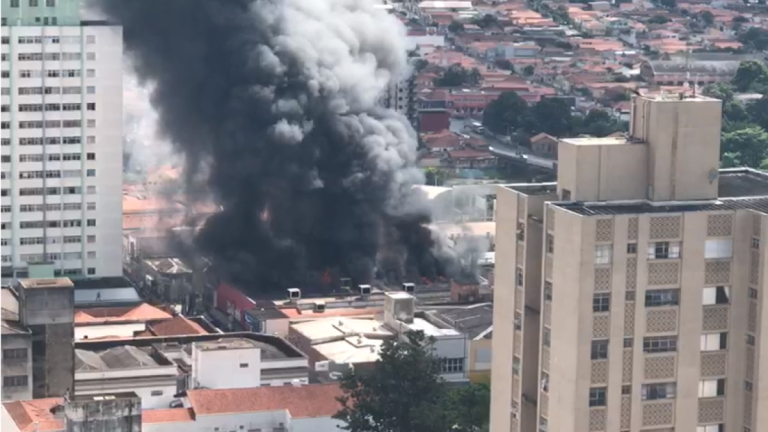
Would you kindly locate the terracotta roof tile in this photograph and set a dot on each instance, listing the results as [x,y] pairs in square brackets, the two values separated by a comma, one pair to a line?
[177,326]
[307,401]
[170,415]
[35,415]
[142,312]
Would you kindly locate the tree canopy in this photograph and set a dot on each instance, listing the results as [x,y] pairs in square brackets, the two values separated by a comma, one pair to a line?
[404,393]
[751,76]
[511,114]
[456,75]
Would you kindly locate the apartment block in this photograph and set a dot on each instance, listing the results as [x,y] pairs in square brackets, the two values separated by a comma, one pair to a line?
[61,141]
[629,294]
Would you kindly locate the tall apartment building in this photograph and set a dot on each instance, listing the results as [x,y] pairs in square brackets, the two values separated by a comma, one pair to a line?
[401,97]
[61,141]
[629,295]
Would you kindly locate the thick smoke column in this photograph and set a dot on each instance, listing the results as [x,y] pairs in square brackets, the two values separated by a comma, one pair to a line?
[274,106]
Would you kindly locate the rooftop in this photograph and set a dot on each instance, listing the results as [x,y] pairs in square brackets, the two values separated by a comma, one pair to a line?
[476,321]
[308,401]
[35,415]
[121,357]
[739,189]
[272,347]
[142,313]
[46,283]
[176,326]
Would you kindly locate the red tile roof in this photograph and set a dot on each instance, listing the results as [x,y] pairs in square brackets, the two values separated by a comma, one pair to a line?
[177,326]
[170,415]
[35,415]
[307,401]
[141,313]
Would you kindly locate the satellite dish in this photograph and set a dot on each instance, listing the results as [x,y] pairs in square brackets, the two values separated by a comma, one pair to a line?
[712,176]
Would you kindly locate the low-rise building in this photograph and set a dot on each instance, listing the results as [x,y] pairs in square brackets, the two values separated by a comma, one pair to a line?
[476,322]
[17,350]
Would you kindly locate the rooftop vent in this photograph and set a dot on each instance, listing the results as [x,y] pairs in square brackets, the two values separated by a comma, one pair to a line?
[319,306]
[294,294]
[409,287]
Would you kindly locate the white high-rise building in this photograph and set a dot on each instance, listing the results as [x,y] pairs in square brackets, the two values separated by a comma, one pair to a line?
[61,135]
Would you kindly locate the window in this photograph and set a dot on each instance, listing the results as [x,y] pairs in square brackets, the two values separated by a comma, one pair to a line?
[550,243]
[520,231]
[516,365]
[91,254]
[90,156]
[628,342]
[629,296]
[90,73]
[15,381]
[714,341]
[50,3]
[14,3]
[91,222]
[752,293]
[755,243]
[716,295]
[91,123]
[658,391]
[750,339]
[90,90]
[90,56]
[156,393]
[544,382]
[243,365]
[597,396]
[601,303]
[90,172]
[714,428]
[665,297]
[91,106]
[90,39]
[626,390]
[603,254]
[546,337]
[519,277]
[91,239]
[548,291]
[748,386]
[33,3]
[91,206]
[15,354]
[631,248]
[712,388]
[91,271]
[599,349]
[718,248]
[452,365]
[518,321]
[663,250]
[660,344]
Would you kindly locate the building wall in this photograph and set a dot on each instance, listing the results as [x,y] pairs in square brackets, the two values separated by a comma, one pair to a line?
[17,366]
[479,351]
[155,392]
[98,331]
[93,164]
[226,368]
[121,414]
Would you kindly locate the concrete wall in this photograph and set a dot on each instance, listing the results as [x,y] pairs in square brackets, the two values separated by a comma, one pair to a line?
[17,367]
[226,368]
[98,331]
[122,414]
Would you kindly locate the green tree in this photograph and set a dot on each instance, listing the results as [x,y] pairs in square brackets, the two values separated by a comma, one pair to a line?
[503,64]
[456,75]
[754,38]
[420,64]
[724,92]
[758,112]
[474,77]
[468,408]
[455,27]
[529,70]
[597,123]
[553,116]
[751,74]
[747,146]
[707,18]
[486,21]
[402,393]
[506,113]
[658,19]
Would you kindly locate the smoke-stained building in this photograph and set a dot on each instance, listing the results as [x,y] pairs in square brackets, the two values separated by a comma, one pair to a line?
[61,140]
[401,97]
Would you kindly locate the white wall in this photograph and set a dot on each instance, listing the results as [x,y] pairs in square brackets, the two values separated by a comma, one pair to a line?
[152,396]
[221,368]
[265,421]
[277,327]
[106,251]
[97,331]
[143,381]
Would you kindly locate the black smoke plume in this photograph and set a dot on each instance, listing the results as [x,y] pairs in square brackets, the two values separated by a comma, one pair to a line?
[274,106]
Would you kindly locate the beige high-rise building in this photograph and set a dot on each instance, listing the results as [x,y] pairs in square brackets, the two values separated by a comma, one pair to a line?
[629,295]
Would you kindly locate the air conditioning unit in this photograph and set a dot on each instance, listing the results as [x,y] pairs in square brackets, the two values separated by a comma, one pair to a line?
[365,290]
[322,366]
[294,294]
[319,306]
[409,287]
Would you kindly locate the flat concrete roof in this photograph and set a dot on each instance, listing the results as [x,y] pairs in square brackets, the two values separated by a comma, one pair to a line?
[46,283]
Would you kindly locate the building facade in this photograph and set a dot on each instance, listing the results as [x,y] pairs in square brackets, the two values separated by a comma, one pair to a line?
[633,289]
[61,141]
